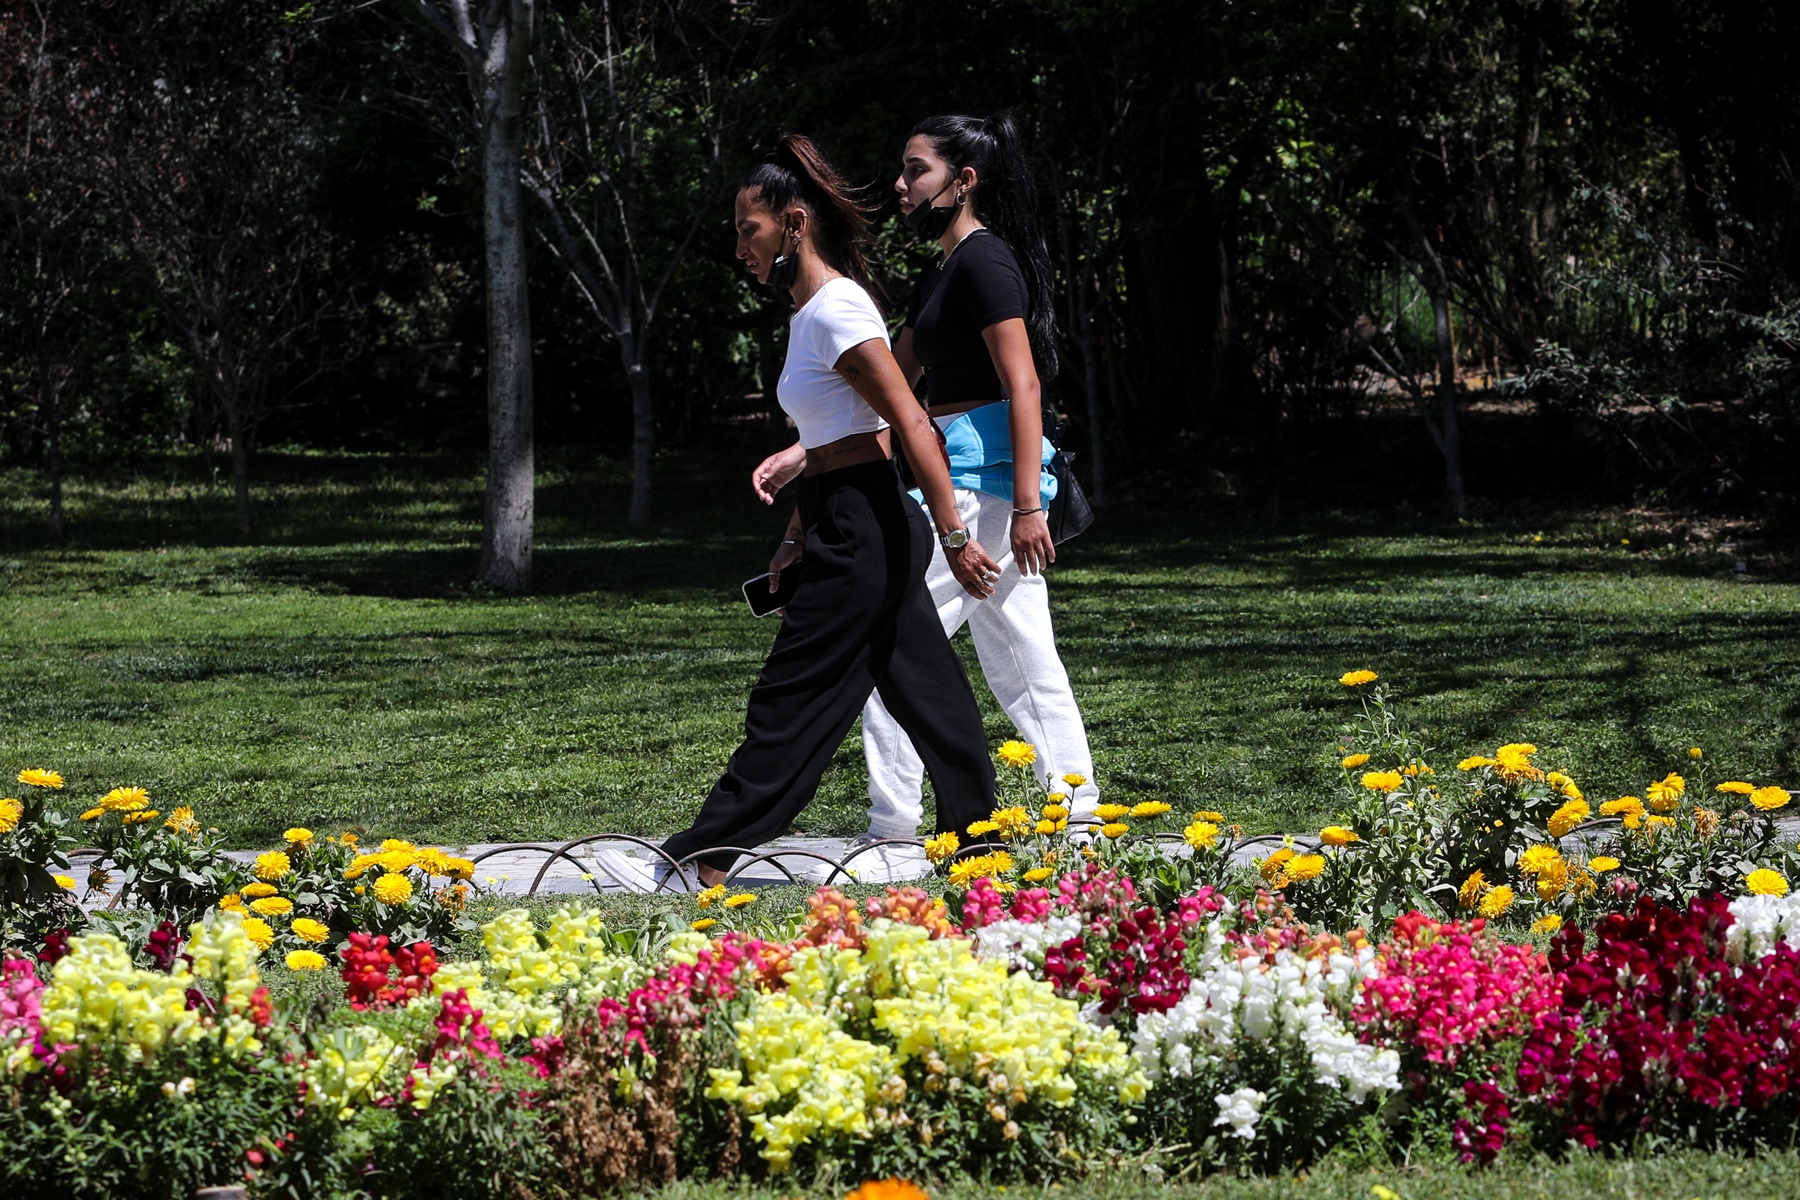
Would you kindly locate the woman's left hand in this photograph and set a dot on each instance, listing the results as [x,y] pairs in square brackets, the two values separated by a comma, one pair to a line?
[1031,545]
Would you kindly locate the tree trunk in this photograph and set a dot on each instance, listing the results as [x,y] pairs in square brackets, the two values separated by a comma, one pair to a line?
[643,430]
[1450,439]
[509,520]
[240,468]
[52,417]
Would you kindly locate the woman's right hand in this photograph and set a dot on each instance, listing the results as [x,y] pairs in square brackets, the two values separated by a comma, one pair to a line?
[786,555]
[777,471]
[974,569]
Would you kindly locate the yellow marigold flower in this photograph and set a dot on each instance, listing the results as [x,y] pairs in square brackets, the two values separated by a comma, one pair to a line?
[1201,834]
[1469,894]
[347,838]
[1658,821]
[1038,874]
[1568,817]
[12,811]
[258,931]
[1764,882]
[1209,815]
[1416,769]
[1017,754]
[255,890]
[297,836]
[1148,809]
[93,814]
[459,868]
[396,861]
[739,900]
[1737,786]
[1539,858]
[1562,783]
[231,902]
[1338,835]
[1305,867]
[981,828]
[1381,781]
[139,818]
[1056,812]
[393,889]
[1602,863]
[305,960]
[1353,761]
[309,930]
[1074,779]
[1474,761]
[711,896]
[38,778]
[966,871]
[703,924]
[1770,798]
[272,865]
[1012,822]
[938,848]
[1113,829]
[1496,902]
[1624,806]
[182,821]
[1357,678]
[65,882]
[1552,880]
[125,799]
[273,906]
[1111,812]
[1275,865]
[1665,794]
[1695,753]
[1548,923]
[1046,826]
[390,844]
[453,897]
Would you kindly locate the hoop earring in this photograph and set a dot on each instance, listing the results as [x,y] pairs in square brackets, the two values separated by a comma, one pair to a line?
[961,198]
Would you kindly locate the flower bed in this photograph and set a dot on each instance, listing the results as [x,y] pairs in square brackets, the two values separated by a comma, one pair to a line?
[1071,1005]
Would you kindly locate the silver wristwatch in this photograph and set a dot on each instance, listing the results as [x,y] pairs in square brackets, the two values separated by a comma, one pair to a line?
[956,539]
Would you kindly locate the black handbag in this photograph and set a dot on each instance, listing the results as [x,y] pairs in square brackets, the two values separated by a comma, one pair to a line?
[1069,513]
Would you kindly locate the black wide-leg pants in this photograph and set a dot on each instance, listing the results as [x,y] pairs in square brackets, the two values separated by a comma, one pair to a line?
[861,620]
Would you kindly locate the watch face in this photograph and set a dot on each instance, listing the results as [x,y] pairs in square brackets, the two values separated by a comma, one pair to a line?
[956,539]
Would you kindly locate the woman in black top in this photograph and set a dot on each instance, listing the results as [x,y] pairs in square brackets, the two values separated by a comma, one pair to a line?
[981,333]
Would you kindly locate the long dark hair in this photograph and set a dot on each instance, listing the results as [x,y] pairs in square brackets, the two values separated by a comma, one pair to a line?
[795,170]
[1006,201]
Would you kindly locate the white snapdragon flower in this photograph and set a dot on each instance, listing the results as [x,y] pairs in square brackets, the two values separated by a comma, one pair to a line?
[1241,1110]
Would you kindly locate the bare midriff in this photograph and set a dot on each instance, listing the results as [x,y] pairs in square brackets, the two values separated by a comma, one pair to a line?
[849,452]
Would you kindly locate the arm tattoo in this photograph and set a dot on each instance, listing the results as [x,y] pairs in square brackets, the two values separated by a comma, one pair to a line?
[851,373]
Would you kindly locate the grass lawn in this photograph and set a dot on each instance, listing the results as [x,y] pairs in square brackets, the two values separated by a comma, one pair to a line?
[1683,1176]
[341,672]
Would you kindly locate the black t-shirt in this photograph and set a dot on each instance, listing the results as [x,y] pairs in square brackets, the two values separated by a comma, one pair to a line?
[981,285]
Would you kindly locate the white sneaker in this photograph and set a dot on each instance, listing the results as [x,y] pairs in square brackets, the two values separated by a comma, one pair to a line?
[869,859]
[636,875]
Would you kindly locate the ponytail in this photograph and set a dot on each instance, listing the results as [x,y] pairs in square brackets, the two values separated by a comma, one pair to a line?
[1006,201]
[795,171]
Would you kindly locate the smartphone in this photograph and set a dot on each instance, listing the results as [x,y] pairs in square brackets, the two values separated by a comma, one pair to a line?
[762,601]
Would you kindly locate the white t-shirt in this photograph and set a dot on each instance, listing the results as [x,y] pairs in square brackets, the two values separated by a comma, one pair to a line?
[838,317]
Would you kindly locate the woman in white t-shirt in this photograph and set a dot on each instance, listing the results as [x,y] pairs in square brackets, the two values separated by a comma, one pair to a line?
[861,619]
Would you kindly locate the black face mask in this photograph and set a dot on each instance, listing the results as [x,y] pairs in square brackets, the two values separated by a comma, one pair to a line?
[782,273]
[926,222]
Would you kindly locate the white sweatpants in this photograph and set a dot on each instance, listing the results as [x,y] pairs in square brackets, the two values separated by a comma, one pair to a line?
[1017,648]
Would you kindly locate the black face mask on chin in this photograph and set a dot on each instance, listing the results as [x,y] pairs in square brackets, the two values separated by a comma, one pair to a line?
[926,222]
